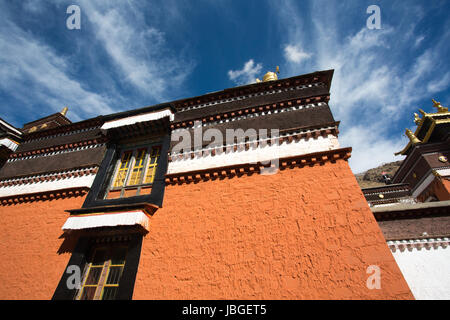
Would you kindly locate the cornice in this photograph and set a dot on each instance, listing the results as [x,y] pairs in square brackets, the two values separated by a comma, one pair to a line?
[57,149]
[291,135]
[249,169]
[419,243]
[45,196]
[261,110]
[306,79]
[67,129]
[250,95]
[51,176]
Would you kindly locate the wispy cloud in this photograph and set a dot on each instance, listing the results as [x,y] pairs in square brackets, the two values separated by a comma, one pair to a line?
[373,89]
[419,40]
[32,72]
[295,54]
[118,60]
[247,74]
[139,50]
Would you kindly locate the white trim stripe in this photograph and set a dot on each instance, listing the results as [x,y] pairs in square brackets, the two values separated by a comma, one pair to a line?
[250,95]
[45,186]
[9,144]
[139,118]
[252,155]
[106,220]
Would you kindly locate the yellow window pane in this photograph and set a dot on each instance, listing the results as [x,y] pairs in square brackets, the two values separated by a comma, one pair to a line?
[94,275]
[123,169]
[109,293]
[114,275]
[152,164]
[138,168]
[88,293]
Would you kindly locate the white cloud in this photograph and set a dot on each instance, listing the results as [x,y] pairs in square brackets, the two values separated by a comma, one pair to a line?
[138,50]
[295,54]
[440,84]
[419,39]
[247,74]
[373,90]
[371,146]
[33,73]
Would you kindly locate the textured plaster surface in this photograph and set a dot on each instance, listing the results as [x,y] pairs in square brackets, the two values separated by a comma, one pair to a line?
[303,233]
[33,253]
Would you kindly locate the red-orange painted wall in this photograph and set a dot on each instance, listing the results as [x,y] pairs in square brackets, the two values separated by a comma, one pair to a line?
[443,192]
[439,188]
[32,252]
[304,233]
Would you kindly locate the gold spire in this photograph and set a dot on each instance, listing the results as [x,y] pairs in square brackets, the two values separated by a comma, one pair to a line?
[64,111]
[439,107]
[270,76]
[412,137]
[416,118]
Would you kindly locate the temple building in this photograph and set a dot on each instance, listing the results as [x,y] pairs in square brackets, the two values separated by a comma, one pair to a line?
[243,193]
[413,211]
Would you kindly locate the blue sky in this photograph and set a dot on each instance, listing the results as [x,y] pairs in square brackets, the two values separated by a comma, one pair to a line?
[131,54]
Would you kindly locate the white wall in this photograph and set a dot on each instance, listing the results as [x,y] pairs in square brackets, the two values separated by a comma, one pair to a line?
[427,271]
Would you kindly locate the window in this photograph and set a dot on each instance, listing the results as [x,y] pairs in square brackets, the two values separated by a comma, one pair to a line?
[103,272]
[132,172]
[135,172]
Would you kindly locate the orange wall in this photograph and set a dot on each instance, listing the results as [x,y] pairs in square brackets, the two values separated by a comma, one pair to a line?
[304,233]
[31,263]
[443,191]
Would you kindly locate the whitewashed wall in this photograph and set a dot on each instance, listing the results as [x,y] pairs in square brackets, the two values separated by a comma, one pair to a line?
[427,271]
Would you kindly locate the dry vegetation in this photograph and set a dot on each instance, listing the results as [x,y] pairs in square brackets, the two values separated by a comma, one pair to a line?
[374,178]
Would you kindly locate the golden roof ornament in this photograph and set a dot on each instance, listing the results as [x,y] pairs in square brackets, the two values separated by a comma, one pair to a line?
[412,137]
[439,107]
[270,76]
[64,111]
[416,118]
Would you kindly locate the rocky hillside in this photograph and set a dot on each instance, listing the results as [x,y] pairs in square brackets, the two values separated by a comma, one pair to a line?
[374,177]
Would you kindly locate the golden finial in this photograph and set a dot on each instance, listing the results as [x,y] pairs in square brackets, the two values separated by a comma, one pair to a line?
[64,111]
[270,76]
[412,137]
[33,129]
[44,126]
[439,107]
[416,118]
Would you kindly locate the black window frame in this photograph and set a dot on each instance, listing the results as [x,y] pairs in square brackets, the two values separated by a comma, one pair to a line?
[106,172]
[80,256]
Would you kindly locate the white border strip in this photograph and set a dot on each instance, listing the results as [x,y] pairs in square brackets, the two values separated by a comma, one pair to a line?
[155,115]
[9,144]
[252,155]
[106,220]
[45,186]
[10,127]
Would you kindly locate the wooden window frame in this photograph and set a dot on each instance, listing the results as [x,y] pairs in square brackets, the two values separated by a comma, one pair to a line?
[126,185]
[104,273]
[96,197]
[80,257]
